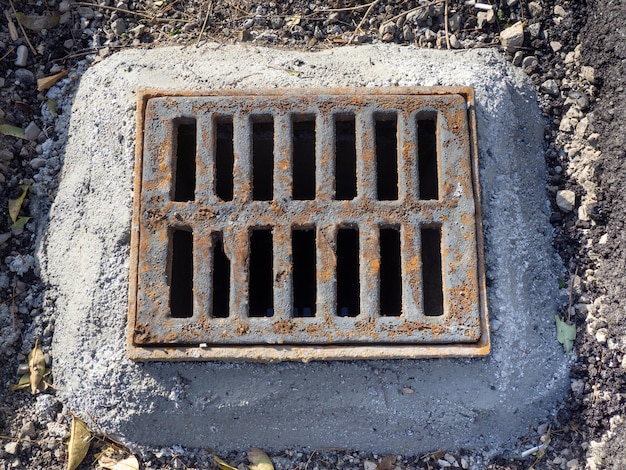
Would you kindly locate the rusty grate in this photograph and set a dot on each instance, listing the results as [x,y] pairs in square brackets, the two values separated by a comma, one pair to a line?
[299,225]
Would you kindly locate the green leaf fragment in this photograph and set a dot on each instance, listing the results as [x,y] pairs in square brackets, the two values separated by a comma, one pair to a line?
[19,223]
[52,107]
[260,460]
[565,333]
[13,131]
[37,23]
[15,205]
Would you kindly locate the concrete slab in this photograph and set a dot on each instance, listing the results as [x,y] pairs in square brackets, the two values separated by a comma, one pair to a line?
[401,406]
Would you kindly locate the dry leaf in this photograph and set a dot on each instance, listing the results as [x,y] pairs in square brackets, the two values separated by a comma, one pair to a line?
[46,82]
[37,23]
[16,204]
[23,383]
[13,131]
[387,463]
[223,465]
[37,368]
[20,222]
[260,460]
[110,458]
[294,20]
[80,438]
[565,333]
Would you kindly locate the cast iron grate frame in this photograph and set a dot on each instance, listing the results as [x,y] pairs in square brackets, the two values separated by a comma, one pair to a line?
[462,330]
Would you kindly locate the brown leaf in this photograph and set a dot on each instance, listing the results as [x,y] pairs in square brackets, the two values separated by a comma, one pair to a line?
[37,23]
[387,463]
[112,459]
[37,368]
[46,82]
[80,438]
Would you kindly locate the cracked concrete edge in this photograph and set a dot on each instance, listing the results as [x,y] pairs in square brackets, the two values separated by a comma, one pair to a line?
[458,402]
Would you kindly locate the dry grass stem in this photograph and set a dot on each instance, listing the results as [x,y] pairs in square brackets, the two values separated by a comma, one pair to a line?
[358,28]
[445,23]
[421,7]
[22,29]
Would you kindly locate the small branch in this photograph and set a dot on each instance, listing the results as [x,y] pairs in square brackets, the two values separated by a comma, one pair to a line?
[571,291]
[358,28]
[206,19]
[22,28]
[7,54]
[445,19]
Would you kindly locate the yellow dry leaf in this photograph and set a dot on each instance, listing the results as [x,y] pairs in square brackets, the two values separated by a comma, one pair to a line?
[294,20]
[46,82]
[23,383]
[260,460]
[80,438]
[223,465]
[15,205]
[112,462]
[37,23]
[37,369]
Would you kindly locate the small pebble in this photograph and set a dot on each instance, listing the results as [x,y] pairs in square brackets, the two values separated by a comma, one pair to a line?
[556,46]
[444,463]
[518,58]
[530,62]
[559,10]
[85,12]
[64,6]
[37,163]
[32,131]
[11,448]
[22,56]
[550,87]
[118,27]
[566,200]
[25,76]
[535,9]
[28,430]
[512,38]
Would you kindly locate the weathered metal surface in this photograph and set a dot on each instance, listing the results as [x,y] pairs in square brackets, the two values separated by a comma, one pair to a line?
[462,330]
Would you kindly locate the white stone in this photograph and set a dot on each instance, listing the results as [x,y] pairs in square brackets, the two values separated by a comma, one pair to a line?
[566,200]
[601,335]
[21,57]
[11,447]
[368,465]
[512,38]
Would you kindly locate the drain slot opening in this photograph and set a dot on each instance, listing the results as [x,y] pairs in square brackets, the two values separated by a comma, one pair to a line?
[260,286]
[263,160]
[221,279]
[427,157]
[304,159]
[304,272]
[386,129]
[390,273]
[184,165]
[224,158]
[431,271]
[181,273]
[348,292]
[345,158]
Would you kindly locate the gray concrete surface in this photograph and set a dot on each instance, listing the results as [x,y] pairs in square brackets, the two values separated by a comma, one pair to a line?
[402,406]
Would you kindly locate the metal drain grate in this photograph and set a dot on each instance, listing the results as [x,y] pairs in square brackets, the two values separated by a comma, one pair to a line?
[307,225]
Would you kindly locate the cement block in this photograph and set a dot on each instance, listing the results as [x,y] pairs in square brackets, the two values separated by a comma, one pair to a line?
[402,406]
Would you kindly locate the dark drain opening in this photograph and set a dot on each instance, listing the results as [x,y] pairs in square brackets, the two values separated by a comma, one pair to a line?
[386,157]
[345,158]
[263,161]
[184,165]
[431,271]
[181,273]
[348,292]
[221,279]
[427,157]
[224,159]
[260,286]
[390,273]
[304,159]
[304,272]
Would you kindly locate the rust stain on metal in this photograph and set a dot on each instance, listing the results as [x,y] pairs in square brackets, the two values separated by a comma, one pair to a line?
[153,334]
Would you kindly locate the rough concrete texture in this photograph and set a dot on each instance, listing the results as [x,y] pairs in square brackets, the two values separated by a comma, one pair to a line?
[404,406]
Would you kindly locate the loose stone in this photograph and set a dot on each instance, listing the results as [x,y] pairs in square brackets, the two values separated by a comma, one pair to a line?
[589,74]
[85,12]
[535,9]
[566,200]
[32,131]
[22,56]
[530,62]
[559,10]
[550,87]
[518,58]
[11,448]
[512,38]
[556,46]
[118,27]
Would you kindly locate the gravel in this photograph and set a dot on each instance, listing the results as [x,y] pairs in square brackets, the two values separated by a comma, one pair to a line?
[571,50]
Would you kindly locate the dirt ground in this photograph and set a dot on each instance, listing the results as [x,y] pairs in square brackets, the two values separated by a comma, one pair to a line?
[574,52]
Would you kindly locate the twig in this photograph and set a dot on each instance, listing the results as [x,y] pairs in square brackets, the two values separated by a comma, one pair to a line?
[445,20]
[421,7]
[335,10]
[206,18]
[5,55]
[358,28]
[12,29]
[240,10]
[571,290]
[22,28]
